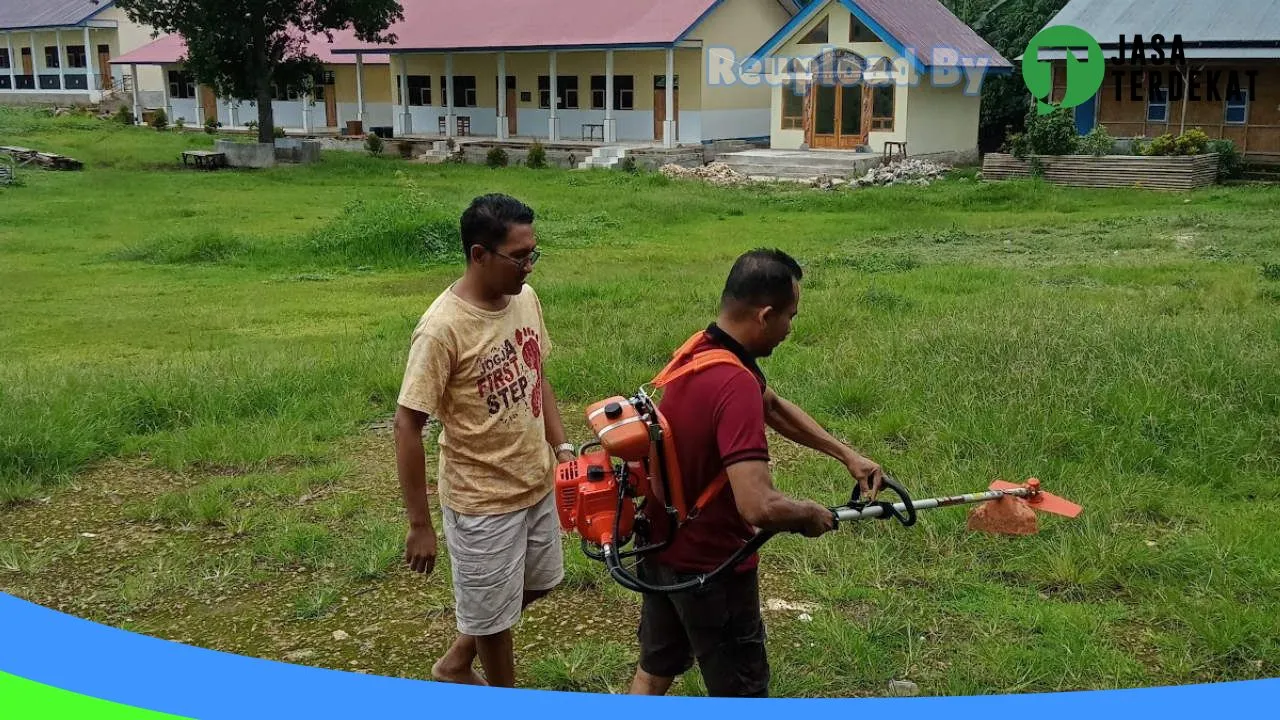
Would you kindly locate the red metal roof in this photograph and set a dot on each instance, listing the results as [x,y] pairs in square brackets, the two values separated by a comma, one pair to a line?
[169,50]
[513,24]
[928,24]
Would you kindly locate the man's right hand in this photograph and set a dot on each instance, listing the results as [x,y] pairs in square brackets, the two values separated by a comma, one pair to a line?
[820,521]
[420,549]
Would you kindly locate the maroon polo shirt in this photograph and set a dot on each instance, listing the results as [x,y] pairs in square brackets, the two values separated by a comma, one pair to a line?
[717,417]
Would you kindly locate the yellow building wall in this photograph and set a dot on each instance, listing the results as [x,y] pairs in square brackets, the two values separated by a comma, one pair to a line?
[742,26]
[644,65]
[942,119]
[377,83]
[130,36]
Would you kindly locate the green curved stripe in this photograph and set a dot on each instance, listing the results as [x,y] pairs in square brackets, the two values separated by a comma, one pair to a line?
[22,699]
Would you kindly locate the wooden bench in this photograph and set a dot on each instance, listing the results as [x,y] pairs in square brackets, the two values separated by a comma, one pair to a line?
[589,131]
[204,159]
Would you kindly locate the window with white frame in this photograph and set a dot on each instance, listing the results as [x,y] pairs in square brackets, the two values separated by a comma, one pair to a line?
[181,85]
[1237,108]
[1158,105]
[566,91]
[52,60]
[464,90]
[623,92]
[76,56]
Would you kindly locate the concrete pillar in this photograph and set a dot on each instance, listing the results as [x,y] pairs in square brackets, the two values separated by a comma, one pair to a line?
[610,122]
[450,120]
[90,63]
[306,113]
[168,99]
[406,122]
[14,62]
[360,87]
[62,60]
[502,96]
[199,105]
[669,127]
[553,125]
[137,104]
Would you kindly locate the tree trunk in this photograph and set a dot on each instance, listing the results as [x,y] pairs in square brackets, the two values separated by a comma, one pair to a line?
[266,115]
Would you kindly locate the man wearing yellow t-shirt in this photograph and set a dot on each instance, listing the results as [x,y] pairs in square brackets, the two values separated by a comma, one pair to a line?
[475,365]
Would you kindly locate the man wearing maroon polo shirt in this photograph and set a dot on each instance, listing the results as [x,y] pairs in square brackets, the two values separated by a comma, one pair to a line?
[718,417]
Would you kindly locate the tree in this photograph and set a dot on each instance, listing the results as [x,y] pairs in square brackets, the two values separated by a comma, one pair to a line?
[1007,25]
[243,49]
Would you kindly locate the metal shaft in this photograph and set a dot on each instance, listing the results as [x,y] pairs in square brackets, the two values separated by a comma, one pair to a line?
[874,511]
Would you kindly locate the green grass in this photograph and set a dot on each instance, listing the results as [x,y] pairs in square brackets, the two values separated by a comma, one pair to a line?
[236,329]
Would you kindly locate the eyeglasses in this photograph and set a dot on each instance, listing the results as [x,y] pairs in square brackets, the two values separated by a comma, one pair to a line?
[529,260]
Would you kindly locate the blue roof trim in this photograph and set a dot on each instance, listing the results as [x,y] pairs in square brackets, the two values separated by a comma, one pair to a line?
[812,9]
[714,6]
[883,34]
[786,31]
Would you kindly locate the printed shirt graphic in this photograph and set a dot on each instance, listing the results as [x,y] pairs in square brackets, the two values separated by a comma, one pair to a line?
[479,373]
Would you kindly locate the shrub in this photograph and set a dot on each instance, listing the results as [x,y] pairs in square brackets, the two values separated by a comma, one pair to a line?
[537,156]
[1052,134]
[160,121]
[405,148]
[180,123]
[373,144]
[277,132]
[1230,161]
[628,164]
[211,125]
[497,158]
[1192,142]
[124,116]
[1097,142]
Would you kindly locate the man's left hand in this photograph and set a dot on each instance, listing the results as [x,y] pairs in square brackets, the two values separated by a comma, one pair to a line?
[565,456]
[868,474]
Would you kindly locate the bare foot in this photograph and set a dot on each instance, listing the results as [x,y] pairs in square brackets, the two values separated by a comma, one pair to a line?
[467,676]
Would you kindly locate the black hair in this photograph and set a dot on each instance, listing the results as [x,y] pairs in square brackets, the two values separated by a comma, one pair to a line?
[489,219]
[761,278]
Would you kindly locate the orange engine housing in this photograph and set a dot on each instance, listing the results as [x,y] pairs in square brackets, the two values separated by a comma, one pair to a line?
[587,488]
[587,500]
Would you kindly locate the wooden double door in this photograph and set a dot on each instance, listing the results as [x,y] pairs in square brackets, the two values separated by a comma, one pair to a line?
[839,115]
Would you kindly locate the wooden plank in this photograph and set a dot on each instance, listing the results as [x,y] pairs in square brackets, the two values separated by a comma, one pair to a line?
[1173,173]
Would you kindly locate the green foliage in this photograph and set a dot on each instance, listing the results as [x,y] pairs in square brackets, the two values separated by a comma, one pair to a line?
[1098,142]
[1052,134]
[124,115]
[497,158]
[537,156]
[160,120]
[373,144]
[241,50]
[1230,160]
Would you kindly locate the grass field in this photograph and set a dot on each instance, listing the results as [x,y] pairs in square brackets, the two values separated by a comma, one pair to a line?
[198,370]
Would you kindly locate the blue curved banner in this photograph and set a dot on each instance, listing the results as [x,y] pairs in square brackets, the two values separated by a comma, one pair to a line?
[41,648]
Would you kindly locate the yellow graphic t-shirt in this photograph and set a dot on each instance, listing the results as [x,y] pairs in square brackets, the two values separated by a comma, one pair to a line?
[479,373]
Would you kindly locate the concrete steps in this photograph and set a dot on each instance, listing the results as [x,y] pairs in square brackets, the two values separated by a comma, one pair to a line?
[800,164]
[606,156]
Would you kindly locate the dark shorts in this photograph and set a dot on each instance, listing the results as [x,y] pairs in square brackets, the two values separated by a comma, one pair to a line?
[718,625]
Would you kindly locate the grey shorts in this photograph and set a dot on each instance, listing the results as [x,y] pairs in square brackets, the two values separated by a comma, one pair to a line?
[495,559]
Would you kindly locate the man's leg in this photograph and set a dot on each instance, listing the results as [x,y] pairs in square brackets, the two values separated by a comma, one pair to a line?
[456,666]
[664,648]
[728,636]
[487,555]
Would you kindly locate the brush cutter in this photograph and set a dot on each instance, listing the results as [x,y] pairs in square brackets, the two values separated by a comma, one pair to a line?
[601,493]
